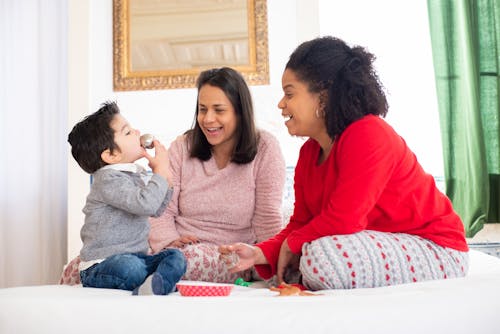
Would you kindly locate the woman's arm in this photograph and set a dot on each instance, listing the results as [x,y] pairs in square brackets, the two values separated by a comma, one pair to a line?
[271,247]
[163,231]
[267,219]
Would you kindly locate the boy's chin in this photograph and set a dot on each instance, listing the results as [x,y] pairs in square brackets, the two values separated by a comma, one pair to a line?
[138,158]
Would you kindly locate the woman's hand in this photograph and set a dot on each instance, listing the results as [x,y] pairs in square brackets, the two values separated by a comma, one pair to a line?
[246,256]
[286,260]
[183,241]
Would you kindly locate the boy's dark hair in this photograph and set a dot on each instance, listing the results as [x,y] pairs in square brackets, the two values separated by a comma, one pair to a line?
[352,86]
[234,86]
[92,136]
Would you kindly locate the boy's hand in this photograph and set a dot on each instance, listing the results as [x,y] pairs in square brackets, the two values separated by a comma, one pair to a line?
[159,163]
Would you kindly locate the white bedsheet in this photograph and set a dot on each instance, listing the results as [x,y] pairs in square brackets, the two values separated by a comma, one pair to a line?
[465,305]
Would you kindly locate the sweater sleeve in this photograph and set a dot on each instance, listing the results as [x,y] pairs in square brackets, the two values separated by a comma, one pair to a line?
[166,199]
[118,190]
[365,160]
[163,230]
[267,219]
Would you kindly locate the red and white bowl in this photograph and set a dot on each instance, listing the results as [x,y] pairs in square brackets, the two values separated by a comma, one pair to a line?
[203,289]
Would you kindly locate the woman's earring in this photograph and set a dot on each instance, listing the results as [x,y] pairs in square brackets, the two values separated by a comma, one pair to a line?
[317,113]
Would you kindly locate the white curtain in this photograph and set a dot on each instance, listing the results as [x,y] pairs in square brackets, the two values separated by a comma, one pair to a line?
[33,147]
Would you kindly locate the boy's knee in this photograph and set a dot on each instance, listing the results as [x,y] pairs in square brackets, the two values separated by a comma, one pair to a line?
[130,268]
[175,261]
[176,257]
[179,261]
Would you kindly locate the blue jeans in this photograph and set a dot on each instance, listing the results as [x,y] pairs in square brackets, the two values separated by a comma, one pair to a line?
[128,271]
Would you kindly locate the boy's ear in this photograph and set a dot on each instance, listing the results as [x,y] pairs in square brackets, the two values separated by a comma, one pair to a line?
[110,158]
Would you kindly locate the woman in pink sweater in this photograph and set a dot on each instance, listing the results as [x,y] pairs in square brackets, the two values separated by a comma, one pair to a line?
[366,214]
[228,180]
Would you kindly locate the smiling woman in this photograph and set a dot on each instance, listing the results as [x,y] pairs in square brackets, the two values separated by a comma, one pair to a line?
[165,44]
[228,179]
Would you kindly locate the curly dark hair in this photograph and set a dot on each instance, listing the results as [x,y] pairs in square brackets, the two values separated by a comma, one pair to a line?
[234,86]
[92,136]
[346,74]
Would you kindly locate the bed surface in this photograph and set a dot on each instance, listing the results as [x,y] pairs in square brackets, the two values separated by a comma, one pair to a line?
[463,305]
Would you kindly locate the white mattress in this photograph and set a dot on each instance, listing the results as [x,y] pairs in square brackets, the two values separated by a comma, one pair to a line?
[464,305]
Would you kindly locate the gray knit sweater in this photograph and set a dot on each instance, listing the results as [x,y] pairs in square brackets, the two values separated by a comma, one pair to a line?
[117,211]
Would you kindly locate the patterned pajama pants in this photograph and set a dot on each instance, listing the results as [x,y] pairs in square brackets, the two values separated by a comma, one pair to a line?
[203,264]
[373,259]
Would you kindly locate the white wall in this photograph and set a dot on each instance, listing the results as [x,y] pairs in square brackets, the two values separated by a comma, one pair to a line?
[397,32]
[168,113]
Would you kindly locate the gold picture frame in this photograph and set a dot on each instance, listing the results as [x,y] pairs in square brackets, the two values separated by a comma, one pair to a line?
[125,78]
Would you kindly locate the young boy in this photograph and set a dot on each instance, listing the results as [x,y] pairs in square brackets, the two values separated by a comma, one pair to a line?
[115,233]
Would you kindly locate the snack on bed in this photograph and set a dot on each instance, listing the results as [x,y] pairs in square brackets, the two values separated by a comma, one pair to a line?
[291,290]
[241,282]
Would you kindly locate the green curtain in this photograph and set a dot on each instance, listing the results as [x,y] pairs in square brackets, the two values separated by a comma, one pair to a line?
[465,37]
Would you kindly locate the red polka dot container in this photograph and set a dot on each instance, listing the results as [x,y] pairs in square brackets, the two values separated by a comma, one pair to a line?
[203,289]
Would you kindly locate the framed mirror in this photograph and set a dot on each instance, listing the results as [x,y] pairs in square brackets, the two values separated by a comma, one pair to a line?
[161,44]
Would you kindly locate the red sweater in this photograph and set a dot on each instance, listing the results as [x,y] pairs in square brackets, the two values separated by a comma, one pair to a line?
[370,181]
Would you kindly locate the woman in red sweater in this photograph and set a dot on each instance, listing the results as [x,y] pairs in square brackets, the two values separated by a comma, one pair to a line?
[366,214]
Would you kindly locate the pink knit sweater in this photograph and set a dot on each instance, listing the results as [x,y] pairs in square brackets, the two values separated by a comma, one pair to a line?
[239,203]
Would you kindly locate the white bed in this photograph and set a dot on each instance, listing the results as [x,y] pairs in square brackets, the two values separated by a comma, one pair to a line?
[465,305]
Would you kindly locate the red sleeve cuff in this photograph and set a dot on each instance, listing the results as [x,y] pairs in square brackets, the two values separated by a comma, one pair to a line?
[271,250]
[264,270]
